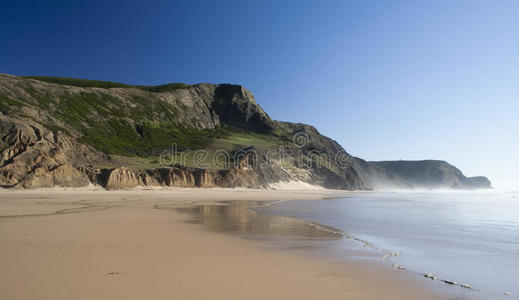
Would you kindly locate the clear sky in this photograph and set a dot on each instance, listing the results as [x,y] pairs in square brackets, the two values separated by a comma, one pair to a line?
[387,79]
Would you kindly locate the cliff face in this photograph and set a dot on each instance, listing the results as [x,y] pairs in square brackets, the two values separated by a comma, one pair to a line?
[32,156]
[67,132]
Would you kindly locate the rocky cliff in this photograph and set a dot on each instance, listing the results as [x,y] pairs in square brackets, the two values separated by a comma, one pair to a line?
[431,174]
[71,132]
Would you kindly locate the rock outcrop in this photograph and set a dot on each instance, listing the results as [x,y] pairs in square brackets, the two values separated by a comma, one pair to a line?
[121,178]
[34,157]
[63,176]
[235,106]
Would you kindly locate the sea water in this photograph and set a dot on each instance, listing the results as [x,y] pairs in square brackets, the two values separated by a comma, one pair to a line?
[471,238]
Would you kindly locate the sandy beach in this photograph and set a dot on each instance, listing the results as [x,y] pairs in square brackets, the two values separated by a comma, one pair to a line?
[66,244]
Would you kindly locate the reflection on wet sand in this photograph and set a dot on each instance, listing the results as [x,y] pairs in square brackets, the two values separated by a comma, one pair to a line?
[239,217]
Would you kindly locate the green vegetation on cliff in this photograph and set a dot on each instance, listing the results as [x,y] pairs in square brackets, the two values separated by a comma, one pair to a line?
[128,123]
[7,105]
[85,83]
[144,139]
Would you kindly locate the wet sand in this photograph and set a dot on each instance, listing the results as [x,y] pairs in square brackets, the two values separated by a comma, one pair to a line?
[135,245]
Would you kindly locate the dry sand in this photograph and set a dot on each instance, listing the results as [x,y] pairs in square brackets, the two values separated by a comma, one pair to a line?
[80,244]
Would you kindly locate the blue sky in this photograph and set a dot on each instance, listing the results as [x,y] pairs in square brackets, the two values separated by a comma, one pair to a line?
[387,79]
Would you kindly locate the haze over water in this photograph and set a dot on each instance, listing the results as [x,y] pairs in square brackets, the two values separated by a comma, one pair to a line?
[466,237]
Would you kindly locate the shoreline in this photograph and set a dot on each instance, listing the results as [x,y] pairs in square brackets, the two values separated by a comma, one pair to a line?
[124,247]
[364,249]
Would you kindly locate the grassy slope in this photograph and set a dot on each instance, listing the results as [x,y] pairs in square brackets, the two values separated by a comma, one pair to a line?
[226,139]
[8,105]
[106,84]
[111,125]
[141,130]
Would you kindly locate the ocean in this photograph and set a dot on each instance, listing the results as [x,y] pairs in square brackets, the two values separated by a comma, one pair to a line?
[469,238]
